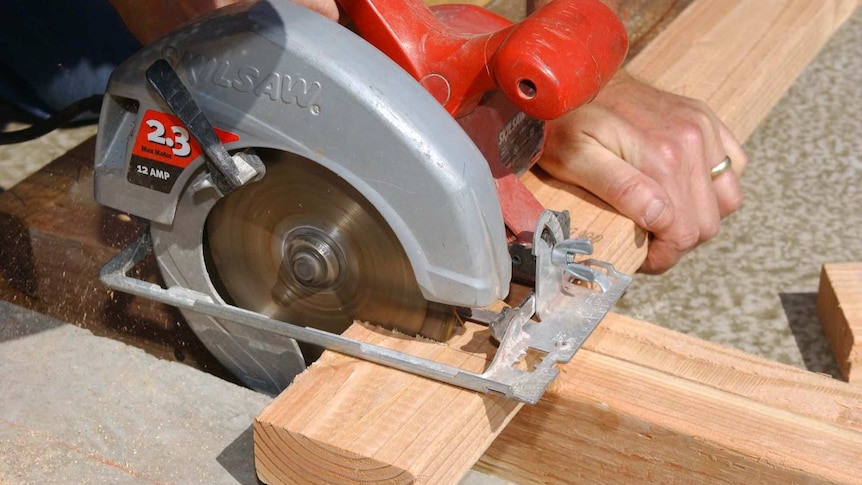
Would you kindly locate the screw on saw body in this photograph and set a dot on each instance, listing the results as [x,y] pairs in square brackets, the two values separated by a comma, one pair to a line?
[564,254]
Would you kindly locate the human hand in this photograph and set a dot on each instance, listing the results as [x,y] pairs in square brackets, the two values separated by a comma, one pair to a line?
[648,154]
[152,19]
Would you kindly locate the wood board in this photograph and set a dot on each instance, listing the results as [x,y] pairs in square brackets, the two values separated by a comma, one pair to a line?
[739,56]
[54,238]
[839,308]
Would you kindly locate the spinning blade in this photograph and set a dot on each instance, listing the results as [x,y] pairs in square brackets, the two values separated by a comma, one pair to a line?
[303,246]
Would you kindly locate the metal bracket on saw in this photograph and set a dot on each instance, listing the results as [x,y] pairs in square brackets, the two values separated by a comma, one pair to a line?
[569,312]
[227,172]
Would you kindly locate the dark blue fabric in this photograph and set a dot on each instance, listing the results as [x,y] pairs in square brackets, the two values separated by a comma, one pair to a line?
[55,52]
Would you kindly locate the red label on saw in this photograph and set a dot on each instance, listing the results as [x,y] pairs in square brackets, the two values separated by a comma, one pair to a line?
[164,138]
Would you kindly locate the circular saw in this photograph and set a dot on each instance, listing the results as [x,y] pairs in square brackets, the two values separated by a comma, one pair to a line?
[299,175]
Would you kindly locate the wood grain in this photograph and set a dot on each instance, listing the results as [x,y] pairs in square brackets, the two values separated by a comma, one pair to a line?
[642,404]
[435,432]
[630,420]
[839,307]
[739,56]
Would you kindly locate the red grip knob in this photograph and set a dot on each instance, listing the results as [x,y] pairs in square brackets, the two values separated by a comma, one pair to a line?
[552,62]
[560,57]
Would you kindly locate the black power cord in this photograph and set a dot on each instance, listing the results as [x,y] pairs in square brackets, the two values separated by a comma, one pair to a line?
[92,104]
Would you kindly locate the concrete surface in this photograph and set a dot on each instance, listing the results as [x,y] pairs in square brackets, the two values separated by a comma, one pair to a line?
[75,408]
[78,409]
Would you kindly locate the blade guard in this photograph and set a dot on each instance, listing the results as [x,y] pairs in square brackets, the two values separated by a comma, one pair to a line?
[276,75]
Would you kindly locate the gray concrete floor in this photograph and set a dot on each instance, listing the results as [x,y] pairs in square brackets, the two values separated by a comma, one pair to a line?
[76,408]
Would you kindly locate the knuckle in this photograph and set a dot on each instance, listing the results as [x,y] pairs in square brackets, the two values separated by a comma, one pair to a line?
[709,229]
[734,201]
[693,134]
[624,188]
[660,259]
[653,267]
[687,239]
[669,154]
[661,267]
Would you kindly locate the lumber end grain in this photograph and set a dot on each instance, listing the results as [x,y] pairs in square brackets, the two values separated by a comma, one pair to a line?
[839,308]
[350,421]
[282,457]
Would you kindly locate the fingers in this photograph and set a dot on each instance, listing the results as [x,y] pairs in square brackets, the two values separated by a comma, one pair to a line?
[670,193]
[649,154]
[727,188]
[684,169]
[697,217]
[728,192]
[608,177]
[632,193]
[327,8]
[732,148]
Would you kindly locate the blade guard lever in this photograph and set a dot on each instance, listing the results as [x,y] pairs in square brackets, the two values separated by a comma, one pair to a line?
[550,63]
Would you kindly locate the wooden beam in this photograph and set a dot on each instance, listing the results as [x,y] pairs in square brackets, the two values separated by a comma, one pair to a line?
[434,432]
[740,56]
[643,404]
[639,404]
[52,232]
[665,414]
[839,307]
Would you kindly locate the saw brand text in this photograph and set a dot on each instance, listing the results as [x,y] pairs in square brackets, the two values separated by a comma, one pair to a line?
[246,78]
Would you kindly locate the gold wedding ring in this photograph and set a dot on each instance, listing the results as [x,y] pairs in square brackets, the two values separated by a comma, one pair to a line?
[723,166]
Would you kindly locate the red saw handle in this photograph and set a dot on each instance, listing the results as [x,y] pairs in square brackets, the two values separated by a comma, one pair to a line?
[552,62]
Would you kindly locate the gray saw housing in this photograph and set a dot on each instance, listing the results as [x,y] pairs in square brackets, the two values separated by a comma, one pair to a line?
[282,77]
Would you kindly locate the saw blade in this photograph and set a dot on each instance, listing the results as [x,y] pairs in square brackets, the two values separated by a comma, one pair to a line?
[304,246]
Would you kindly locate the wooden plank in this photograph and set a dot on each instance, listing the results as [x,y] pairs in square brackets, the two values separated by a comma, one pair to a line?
[740,56]
[53,240]
[778,385]
[639,404]
[839,307]
[340,443]
[608,417]
[611,410]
